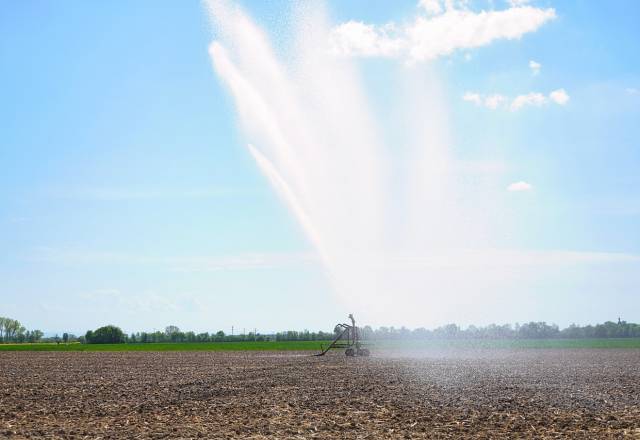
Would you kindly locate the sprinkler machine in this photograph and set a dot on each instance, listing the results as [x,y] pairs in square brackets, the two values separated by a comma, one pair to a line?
[349,339]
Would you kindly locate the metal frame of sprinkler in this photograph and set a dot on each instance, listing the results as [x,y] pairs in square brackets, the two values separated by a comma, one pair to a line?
[349,339]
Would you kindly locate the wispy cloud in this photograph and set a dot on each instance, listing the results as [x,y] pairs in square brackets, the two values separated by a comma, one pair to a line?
[473,97]
[535,67]
[520,186]
[454,257]
[491,257]
[112,194]
[491,101]
[483,167]
[139,302]
[440,28]
[559,96]
[18,220]
[494,101]
[532,99]
[246,261]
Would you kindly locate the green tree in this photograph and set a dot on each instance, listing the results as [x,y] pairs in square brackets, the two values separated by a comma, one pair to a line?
[171,330]
[34,335]
[11,330]
[109,334]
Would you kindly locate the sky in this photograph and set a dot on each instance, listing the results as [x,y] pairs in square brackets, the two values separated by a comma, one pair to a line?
[128,196]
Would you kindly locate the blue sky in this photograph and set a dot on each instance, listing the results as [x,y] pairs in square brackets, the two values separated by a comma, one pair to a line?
[127,195]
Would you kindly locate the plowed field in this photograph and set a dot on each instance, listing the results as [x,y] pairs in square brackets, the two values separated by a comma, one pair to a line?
[474,394]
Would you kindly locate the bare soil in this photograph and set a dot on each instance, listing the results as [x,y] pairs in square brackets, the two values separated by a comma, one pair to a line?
[216,395]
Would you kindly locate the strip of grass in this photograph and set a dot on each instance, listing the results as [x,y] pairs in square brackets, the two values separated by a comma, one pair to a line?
[191,346]
[632,343]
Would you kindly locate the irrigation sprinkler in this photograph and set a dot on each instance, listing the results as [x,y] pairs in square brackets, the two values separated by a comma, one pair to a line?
[349,339]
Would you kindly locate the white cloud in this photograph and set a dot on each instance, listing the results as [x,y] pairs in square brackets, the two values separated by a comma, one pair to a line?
[356,38]
[632,91]
[494,101]
[432,7]
[516,3]
[520,186]
[473,97]
[559,96]
[532,98]
[438,31]
[498,101]
[535,67]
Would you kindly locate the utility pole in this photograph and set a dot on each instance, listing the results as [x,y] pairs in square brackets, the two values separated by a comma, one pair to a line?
[231,330]
[255,334]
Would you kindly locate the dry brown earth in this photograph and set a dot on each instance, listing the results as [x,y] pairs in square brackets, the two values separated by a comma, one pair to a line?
[481,394]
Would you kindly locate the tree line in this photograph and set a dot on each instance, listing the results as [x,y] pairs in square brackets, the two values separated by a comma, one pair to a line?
[114,335]
[530,330]
[12,331]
